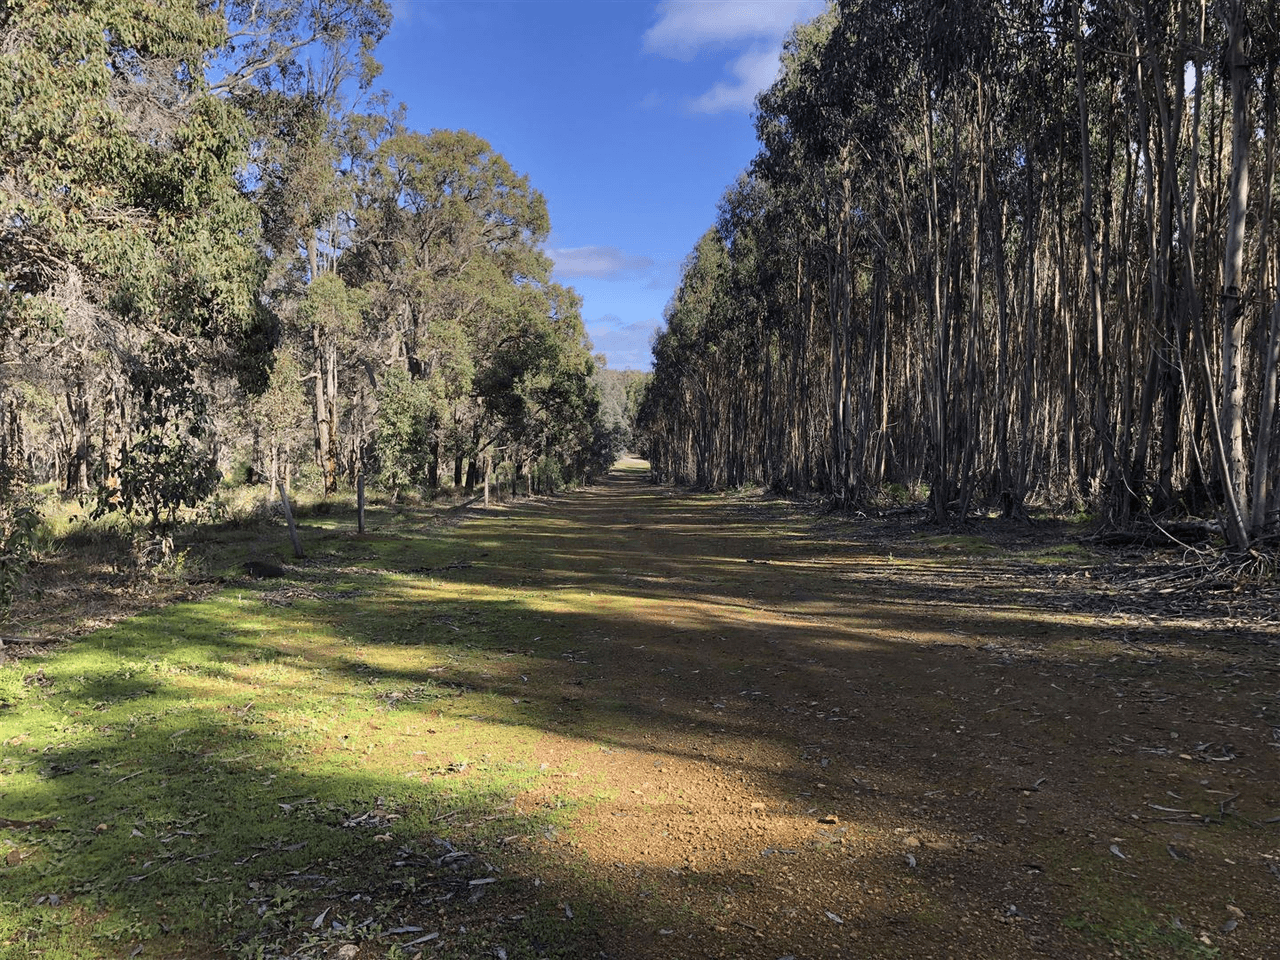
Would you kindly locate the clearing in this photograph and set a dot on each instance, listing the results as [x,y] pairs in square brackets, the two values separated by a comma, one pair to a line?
[633,722]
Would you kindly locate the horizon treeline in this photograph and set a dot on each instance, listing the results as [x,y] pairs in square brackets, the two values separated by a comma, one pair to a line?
[1000,253]
[223,253]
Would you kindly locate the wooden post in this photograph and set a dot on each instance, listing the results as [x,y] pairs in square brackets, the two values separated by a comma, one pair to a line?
[288,516]
[360,500]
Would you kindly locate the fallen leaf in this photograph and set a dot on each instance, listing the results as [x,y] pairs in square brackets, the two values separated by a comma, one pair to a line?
[833,916]
[1116,851]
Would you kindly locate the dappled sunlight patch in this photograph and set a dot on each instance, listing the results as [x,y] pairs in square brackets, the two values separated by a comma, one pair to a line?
[579,744]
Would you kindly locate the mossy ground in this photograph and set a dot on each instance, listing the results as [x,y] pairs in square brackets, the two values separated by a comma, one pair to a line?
[203,777]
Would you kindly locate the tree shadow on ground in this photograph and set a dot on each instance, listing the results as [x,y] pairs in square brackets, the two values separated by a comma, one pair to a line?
[638,724]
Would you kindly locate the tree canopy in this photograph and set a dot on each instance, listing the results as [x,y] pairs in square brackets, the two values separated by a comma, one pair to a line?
[219,247]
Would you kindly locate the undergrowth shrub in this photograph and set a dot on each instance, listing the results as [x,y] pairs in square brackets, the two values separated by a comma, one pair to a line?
[20,530]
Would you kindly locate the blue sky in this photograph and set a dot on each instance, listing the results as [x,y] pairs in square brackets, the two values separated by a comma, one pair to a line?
[631,117]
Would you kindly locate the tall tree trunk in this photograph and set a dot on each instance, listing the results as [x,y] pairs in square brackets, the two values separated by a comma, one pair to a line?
[1262,450]
[1235,476]
[1093,291]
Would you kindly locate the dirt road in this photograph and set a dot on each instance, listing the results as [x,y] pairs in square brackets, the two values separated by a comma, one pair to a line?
[632,722]
[832,739]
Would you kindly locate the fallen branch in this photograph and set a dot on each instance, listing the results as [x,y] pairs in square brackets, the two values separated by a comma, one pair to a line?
[1031,788]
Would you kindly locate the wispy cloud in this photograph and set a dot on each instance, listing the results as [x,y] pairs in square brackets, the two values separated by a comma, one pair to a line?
[402,11]
[753,71]
[625,345]
[604,263]
[753,28]
[685,27]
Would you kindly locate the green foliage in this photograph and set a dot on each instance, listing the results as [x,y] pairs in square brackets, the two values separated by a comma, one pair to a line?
[279,412]
[548,476]
[163,472]
[618,391]
[332,306]
[123,191]
[186,174]
[407,413]
[165,467]
[20,530]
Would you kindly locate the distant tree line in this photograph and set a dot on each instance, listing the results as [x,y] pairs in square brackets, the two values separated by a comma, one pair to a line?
[221,252]
[1004,252]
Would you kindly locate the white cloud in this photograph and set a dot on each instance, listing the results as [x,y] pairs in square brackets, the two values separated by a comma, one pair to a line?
[605,263]
[684,27]
[625,345]
[753,71]
[753,28]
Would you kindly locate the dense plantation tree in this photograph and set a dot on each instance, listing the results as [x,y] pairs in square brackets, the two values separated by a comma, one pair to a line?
[1001,251]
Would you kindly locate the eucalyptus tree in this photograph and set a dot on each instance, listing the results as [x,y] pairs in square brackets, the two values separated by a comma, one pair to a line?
[446,241]
[296,71]
[1025,261]
[122,222]
[136,167]
[534,383]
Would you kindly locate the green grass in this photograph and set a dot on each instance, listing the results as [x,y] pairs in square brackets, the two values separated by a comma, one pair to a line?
[206,779]
[1066,554]
[1107,910]
[1140,935]
[963,544]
